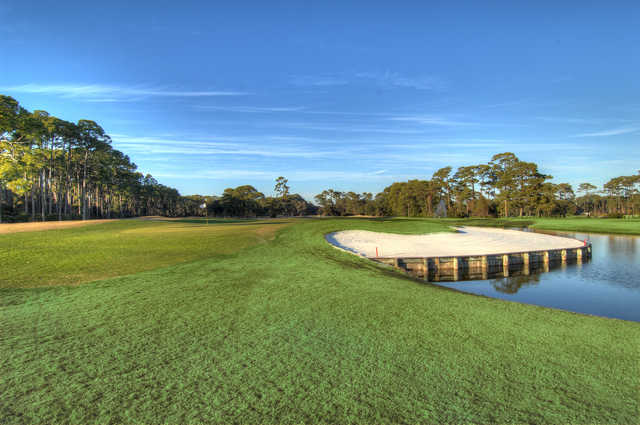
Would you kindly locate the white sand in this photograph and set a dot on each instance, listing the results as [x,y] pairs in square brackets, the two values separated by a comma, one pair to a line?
[468,241]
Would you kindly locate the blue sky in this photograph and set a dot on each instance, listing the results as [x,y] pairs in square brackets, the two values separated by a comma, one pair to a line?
[347,95]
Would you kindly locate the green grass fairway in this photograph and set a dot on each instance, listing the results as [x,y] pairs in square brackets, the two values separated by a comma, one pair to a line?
[254,322]
[83,254]
[622,226]
[594,225]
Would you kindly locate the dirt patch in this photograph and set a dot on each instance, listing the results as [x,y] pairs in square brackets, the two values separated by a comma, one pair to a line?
[47,225]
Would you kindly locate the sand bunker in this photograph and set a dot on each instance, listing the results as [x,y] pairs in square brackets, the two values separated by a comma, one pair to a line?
[467,241]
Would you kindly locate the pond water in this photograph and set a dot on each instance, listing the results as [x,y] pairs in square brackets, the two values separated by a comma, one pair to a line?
[608,285]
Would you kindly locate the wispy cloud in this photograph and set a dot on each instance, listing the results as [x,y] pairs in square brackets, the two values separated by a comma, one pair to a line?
[111,93]
[348,128]
[401,159]
[567,120]
[385,79]
[298,176]
[318,80]
[240,151]
[443,143]
[221,140]
[216,174]
[610,132]
[251,109]
[507,103]
[394,79]
[583,120]
[432,120]
[297,109]
[149,141]
[255,147]
[333,175]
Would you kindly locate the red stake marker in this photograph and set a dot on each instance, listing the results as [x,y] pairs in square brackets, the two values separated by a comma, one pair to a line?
[376,251]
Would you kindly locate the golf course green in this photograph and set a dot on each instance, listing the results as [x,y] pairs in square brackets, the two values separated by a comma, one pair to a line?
[262,321]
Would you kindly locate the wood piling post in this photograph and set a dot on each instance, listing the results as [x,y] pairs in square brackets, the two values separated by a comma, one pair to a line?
[525,261]
[546,261]
[579,255]
[505,265]
[425,268]
[455,268]
[485,267]
[563,254]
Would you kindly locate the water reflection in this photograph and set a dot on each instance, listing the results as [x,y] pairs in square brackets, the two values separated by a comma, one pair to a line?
[622,246]
[607,285]
[511,285]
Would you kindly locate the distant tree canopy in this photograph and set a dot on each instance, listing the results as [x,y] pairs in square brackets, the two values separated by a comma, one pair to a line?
[55,169]
[246,201]
[505,187]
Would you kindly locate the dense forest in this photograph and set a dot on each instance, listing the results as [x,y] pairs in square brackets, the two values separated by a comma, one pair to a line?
[52,169]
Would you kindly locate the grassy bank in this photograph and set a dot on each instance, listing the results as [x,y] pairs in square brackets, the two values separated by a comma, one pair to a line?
[290,329]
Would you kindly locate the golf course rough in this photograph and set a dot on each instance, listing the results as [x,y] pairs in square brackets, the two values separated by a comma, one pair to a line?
[279,327]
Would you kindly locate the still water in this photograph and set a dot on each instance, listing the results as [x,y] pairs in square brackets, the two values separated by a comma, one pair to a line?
[608,285]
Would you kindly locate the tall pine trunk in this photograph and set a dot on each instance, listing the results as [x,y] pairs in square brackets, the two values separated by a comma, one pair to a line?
[33,201]
[1,200]
[43,195]
[83,196]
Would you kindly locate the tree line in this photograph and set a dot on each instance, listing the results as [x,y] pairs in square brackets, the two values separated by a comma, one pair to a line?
[503,187]
[55,169]
[52,169]
[247,201]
